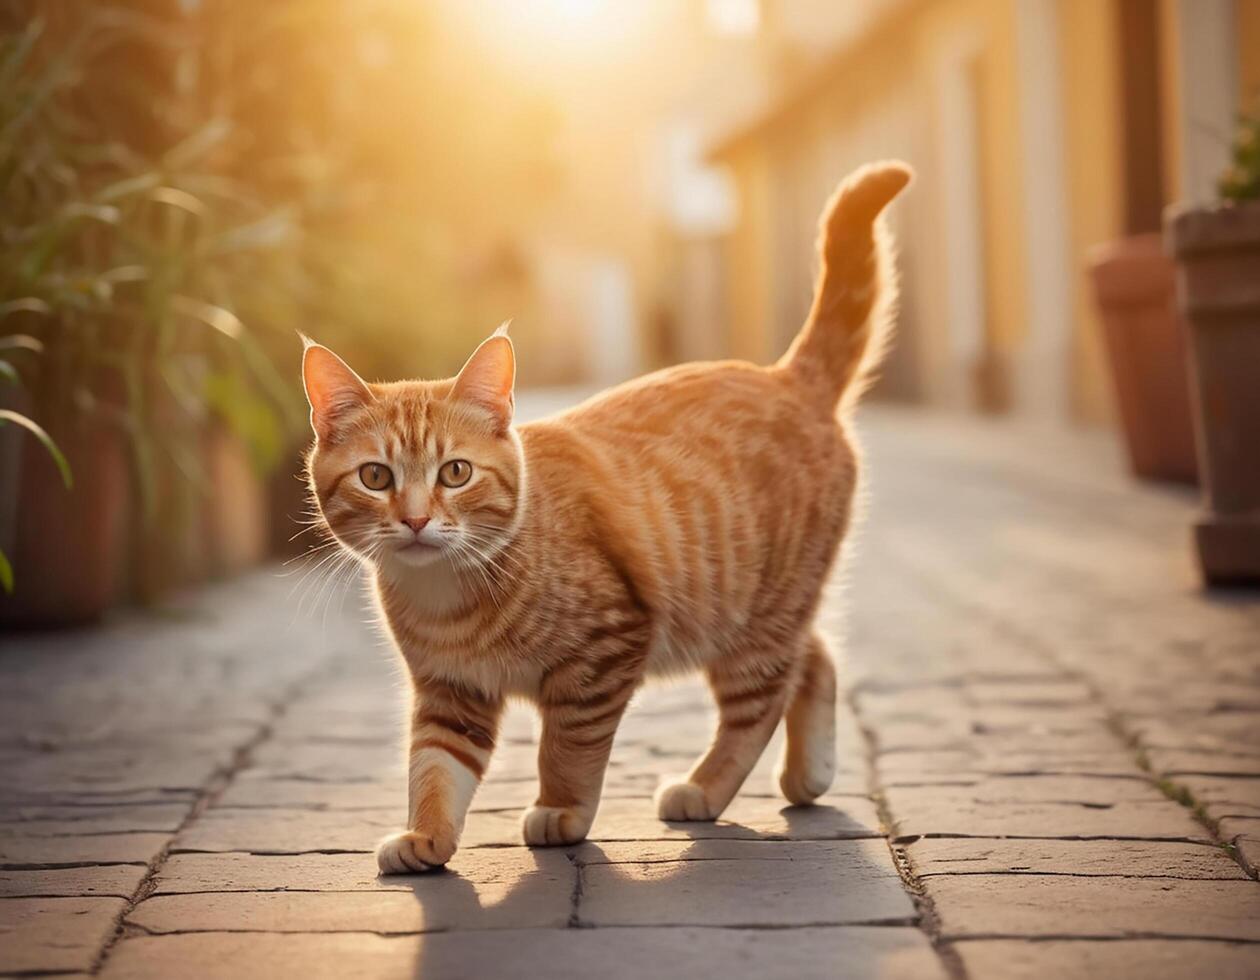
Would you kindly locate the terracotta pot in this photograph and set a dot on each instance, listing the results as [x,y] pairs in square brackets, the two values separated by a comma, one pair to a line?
[170,548]
[1134,285]
[67,546]
[236,514]
[1218,287]
[290,507]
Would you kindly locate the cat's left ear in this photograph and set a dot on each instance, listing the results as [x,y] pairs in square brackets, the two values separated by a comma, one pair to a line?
[488,378]
[332,388]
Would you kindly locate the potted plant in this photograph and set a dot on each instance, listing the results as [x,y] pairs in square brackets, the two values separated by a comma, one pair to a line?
[1134,288]
[62,530]
[127,238]
[1217,249]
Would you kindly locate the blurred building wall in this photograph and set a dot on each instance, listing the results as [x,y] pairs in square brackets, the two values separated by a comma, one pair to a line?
[1039,128]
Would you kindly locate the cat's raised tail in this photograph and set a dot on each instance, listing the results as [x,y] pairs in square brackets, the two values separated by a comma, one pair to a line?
[848,325]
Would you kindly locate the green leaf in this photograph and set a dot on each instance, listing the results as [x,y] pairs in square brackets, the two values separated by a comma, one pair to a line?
[140,184]
[16,56]
[176,198]
[21,341]
[37,430]
[269,232]
[224,321]
[28,304]
[105,213]
[125,273]
[6,574]
[196,146]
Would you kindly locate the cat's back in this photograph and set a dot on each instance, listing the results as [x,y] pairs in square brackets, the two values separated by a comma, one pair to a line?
[702,401]
[726,485]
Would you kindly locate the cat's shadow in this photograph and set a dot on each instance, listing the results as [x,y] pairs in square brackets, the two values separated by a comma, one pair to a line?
[504,900]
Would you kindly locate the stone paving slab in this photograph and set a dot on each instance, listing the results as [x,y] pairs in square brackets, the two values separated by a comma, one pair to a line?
[115,880]
[1225,795]
[968,764]
[857,953]
[1141,859]
[114,771]
[537,899]
[963,812]
[1243,834]
[1046,905]
[1179,762]
[16,799]
[54,934]
[795,884]
[252,790]
[186,873]
[21,850]
[65,821]
[1154,958]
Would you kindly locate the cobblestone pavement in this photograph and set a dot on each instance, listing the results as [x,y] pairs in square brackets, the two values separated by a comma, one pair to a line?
[1050,767]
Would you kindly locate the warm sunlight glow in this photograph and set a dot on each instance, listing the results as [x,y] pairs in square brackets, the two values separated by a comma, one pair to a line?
[734,18]
[565,22]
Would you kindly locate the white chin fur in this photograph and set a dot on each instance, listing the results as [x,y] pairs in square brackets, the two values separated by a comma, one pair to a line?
[418,557]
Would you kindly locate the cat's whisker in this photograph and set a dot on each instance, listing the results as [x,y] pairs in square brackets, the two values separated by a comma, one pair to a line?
[477,566]
[485,560]
[314,566]
[310,526]
[309,553]
[345,577]
[494,552]
[335,581]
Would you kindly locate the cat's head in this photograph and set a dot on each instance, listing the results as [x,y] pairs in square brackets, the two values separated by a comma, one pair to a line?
[412,473]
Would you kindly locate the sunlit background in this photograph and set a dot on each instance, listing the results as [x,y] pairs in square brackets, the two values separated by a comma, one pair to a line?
[186,185]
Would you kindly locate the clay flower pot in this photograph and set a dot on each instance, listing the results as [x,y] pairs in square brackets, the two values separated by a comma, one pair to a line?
[1134,286]
[68,546]
[237,529]
[1218,288]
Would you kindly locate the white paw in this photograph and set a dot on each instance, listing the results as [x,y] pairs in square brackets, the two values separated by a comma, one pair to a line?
[411,852]
[683,800]
[547,826]
[802,788]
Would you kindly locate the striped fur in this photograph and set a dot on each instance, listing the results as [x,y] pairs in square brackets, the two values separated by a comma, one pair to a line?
[684,521]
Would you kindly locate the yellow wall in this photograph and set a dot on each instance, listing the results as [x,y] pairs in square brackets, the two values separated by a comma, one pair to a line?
[997,88]
[861,109]
[1248,12]
[747,256]
[1092,120]
[1170,97]
[892,73]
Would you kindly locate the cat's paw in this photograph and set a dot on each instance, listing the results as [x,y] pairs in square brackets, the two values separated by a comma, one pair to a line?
[683,800]
[412,852]
[547,826]
[804,787]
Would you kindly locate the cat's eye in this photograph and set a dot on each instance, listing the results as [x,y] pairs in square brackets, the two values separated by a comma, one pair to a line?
[455,473]
[375,476]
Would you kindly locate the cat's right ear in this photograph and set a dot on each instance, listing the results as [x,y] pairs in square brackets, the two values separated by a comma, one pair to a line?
[332,388]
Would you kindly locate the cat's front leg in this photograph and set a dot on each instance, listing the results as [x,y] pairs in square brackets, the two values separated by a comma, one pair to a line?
[580,714]
[452,737]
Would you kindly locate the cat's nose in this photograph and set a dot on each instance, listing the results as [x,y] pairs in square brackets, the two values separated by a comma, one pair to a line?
[416,523]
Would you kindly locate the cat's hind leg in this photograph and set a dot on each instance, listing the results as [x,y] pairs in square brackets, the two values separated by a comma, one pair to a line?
[809,755]
[751,691]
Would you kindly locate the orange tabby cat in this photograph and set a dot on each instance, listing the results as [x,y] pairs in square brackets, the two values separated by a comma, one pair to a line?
[684,521]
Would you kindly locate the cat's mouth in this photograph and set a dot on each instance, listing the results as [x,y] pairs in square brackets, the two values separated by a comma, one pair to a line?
[418,553]
[418,547]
